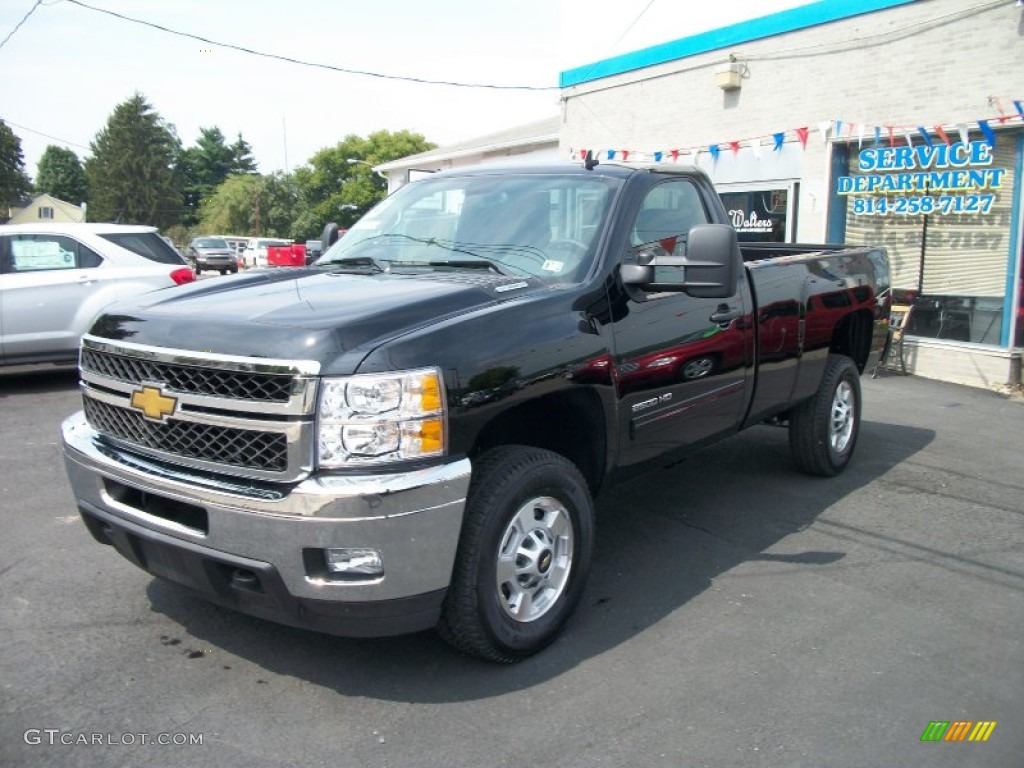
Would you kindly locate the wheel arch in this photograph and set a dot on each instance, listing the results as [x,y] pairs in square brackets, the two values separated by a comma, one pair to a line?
[852,337]
[571,424]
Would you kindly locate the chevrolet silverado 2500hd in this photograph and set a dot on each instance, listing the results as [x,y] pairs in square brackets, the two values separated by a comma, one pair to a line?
[409,433]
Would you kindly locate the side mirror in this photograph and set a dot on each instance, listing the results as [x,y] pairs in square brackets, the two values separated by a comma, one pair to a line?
[711,264]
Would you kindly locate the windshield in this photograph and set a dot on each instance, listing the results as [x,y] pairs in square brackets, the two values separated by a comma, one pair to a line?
[211,242]
[543,226]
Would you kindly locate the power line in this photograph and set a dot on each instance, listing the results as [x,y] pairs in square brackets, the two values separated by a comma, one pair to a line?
[316,65]
[40,133]
[23,20]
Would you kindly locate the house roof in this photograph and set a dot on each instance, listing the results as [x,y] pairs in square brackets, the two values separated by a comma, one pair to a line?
[537,132]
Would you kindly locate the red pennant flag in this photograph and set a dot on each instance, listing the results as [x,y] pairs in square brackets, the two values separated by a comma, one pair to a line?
[942,134]
[675,155]
[802,134]
[892,136]
[625,155]
[735,147]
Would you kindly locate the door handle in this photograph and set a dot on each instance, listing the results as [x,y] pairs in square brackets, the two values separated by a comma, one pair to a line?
[725,314]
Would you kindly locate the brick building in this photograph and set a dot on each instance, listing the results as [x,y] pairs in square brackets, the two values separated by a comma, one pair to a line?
[881,121]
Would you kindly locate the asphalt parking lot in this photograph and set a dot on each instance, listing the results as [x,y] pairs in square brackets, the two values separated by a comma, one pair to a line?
[738,614]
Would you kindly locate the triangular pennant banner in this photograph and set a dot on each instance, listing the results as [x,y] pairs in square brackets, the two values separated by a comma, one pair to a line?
[625,155]
[779,138]
[964,134]
[735,147]
[675,155]
[924,135]
[802,135]
[657,157]
[942,134]
[755,145]
[990,135]
[713,149]
[824,126]
[611,154]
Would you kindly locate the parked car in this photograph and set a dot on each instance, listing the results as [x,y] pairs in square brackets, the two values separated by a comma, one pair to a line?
[293,255]
[256,251]
[314,250]
[55,278]
[212,253]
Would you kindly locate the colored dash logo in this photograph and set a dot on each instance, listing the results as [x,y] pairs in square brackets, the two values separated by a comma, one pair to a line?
[958,730]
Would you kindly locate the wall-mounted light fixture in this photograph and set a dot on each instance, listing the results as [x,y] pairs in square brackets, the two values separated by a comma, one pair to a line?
[729,76]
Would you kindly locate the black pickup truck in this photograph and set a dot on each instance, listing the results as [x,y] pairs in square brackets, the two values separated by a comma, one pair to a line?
[410,432]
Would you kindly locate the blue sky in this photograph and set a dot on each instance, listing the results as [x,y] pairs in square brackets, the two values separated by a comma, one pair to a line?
[63,72]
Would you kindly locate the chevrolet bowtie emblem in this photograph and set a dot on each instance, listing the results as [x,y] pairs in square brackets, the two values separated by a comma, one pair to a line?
[153,403]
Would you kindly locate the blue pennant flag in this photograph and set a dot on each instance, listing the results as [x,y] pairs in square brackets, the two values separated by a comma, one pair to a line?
[990,135]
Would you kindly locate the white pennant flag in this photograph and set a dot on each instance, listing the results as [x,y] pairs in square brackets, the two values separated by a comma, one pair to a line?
[860,136]
[964,136]
[755,145]
[909,136]
[824,126]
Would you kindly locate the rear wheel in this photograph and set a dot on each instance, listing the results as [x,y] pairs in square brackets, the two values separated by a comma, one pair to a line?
[823,430]
[523,557]
[199,270]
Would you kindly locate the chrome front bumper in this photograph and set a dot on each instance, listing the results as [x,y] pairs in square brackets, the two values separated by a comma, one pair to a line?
[207,531]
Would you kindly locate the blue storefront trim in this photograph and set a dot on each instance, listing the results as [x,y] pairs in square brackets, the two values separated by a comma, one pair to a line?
[1009,316]
[791,20]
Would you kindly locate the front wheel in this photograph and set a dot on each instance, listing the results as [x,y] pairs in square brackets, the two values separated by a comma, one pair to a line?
[823,430]
[523,556]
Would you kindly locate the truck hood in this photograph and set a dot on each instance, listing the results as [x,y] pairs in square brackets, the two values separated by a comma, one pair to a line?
[302,314]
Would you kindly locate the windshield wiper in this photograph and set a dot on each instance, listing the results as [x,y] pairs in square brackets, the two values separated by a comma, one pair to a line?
[359,264]
[467,264]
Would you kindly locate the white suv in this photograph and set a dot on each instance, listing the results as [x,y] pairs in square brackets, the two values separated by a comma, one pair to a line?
[55,278]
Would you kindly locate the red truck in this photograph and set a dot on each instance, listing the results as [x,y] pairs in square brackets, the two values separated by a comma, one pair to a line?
[293,255]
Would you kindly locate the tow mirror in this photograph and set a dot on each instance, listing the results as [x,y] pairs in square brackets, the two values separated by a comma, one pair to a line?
[710,265]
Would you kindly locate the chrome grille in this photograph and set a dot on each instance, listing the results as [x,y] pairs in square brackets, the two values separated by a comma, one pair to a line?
[238,385]
[245,448]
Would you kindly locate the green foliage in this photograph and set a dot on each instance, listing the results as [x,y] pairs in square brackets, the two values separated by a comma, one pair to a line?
[60,173]
[207,165]
[252,204]
[14,182]
[334,189]
[131,173]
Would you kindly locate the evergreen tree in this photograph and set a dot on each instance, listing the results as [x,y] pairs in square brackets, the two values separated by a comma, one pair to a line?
[60,173]
[242,160]
[131,173]
[14,182]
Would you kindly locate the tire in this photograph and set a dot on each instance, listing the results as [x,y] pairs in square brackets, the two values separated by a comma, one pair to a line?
[199,270]
[524,552]
[823,430]
[222,271]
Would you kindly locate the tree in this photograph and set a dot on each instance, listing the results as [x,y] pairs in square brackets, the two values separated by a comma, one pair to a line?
[242,160]
[208,164]
[14,182]
[60,173]
[339,183]
[131,173]
[250,203]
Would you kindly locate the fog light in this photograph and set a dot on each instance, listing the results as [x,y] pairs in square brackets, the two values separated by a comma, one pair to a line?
[355,562]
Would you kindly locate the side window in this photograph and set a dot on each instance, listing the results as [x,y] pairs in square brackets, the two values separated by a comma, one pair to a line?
[35,253]
[667,213]
[663,223]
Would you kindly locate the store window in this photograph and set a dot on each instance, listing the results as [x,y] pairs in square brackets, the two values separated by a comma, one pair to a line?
[945,214]
[760,215]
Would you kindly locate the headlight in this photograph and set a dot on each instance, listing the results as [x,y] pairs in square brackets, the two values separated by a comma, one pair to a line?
[380,418]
